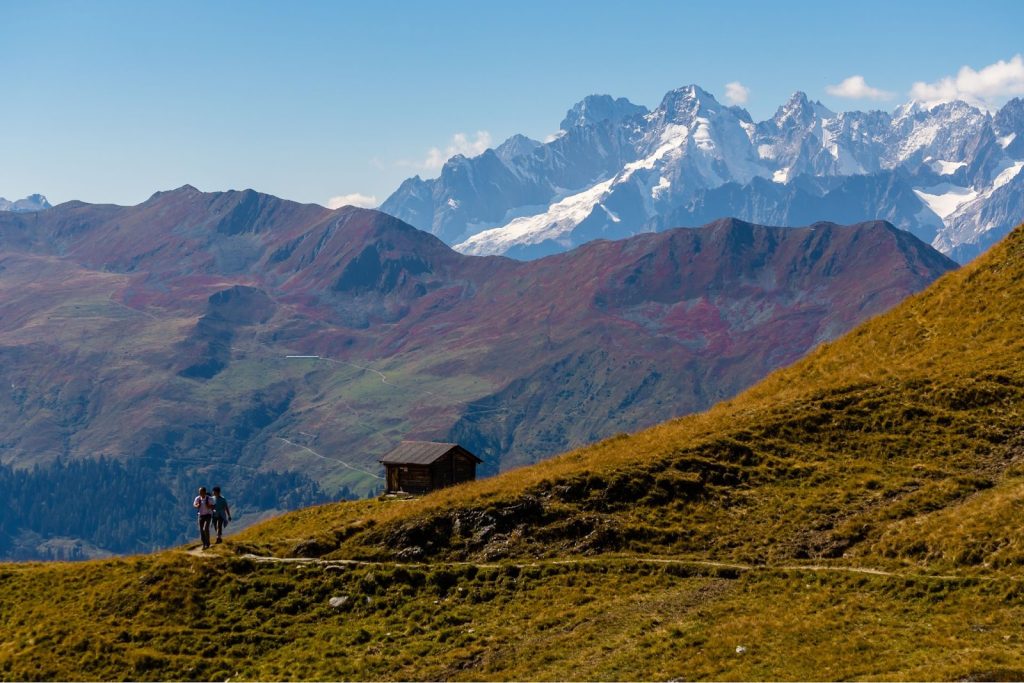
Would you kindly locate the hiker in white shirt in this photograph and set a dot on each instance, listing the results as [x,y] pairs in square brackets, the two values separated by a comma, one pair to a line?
[204,504]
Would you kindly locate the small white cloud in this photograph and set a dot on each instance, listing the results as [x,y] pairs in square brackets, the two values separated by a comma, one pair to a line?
[988,88]
[461,144]
[737,93]
[856,88]
[554,136]
[355,199]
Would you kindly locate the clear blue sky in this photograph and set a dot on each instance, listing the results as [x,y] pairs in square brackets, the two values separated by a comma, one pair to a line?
[111,101]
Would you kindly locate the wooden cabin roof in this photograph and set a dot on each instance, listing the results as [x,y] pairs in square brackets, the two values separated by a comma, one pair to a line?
[422,453]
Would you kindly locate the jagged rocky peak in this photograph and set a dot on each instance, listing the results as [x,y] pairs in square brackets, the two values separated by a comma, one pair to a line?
[594,109]
[960,110]
[1009,127]
[515,146]
[683,105]
[741,113]
[799,109]
[33,202]
[1010,119]
[955,109]
[461,166]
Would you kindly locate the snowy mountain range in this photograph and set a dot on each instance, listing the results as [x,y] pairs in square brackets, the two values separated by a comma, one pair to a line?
[34,202]
[950,174]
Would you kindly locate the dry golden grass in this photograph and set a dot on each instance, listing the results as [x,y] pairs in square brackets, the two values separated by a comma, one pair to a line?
[917,407]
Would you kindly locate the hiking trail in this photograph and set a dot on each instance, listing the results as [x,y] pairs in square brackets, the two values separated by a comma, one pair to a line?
[712,564]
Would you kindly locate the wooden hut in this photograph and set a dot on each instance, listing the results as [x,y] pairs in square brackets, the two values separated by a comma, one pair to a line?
[423,466]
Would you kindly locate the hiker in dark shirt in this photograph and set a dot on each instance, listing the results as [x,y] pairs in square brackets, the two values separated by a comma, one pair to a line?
[221,512]
[204,505]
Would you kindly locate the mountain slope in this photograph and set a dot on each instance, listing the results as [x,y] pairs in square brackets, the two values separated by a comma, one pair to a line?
[840,455]
[938,167]
[177,318]
[720,303]
[871,488]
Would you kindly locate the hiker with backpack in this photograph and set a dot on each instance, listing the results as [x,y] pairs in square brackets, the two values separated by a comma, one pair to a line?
[221,512]
[204,504]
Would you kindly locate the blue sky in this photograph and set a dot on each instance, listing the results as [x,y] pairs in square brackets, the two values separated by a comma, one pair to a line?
[111,101]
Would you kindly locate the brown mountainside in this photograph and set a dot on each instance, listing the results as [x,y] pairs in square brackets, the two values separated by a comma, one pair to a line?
[161,331]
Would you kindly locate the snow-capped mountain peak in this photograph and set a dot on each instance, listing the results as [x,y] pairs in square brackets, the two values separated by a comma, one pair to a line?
[595,109]
[800,111]
[684,105]
[617,169]
[33,202]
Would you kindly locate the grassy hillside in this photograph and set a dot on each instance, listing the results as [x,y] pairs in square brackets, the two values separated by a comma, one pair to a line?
[861,450]
[852,516]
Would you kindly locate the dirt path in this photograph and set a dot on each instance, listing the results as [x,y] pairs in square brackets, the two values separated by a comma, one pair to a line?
[739,567]
[324,457]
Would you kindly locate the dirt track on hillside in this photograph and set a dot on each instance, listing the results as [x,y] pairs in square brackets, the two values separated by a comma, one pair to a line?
[710,564]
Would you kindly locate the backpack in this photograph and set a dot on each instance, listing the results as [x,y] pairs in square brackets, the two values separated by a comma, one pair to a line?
[209,505]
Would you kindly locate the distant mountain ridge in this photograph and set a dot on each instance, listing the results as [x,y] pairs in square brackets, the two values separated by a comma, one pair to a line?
[33,202]
[949,174]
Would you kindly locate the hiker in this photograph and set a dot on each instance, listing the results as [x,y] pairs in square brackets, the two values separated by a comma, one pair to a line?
[221,512]
[204,504]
